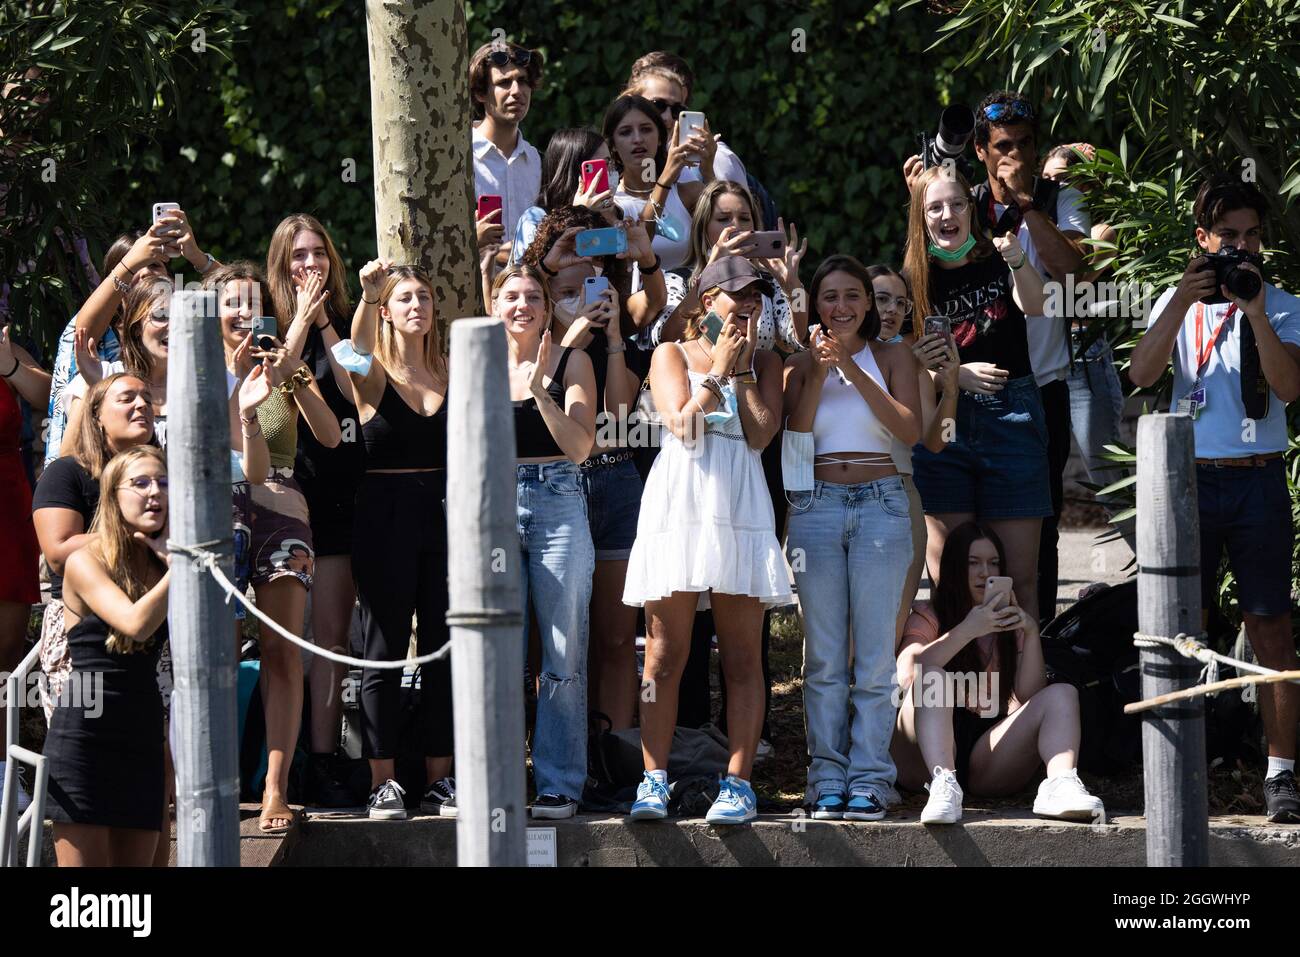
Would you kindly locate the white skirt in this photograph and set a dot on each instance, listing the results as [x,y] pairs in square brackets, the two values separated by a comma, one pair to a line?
[706,524]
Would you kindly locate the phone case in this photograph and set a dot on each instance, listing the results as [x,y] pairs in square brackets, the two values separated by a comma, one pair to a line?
[688,123]
[592,287]
[486,204]
[768,245]
[597,170]
[711,326]
[601,242]
[161,209]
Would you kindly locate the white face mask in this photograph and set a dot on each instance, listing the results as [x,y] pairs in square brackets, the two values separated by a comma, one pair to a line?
[566,310]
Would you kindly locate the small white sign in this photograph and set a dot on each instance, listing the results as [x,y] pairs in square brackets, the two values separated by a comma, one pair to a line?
[542,849]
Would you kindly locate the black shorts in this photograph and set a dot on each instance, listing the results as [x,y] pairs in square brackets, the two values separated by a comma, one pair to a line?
[1247,512]
[967,729]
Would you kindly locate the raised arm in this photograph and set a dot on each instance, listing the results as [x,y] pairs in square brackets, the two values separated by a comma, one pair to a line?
[87,582]
[96,313]
[574,426]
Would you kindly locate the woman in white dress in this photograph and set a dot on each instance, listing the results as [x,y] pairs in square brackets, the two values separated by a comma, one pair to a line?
[706,526]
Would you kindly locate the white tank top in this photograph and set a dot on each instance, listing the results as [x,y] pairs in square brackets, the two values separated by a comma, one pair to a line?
[844,422]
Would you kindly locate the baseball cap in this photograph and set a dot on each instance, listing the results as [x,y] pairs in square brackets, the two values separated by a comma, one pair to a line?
[732,274]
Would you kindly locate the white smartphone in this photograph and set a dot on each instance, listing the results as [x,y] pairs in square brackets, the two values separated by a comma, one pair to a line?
[689,123]
[161,209]
[997,585]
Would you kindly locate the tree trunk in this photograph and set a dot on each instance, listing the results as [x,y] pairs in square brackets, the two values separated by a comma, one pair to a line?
[420,123]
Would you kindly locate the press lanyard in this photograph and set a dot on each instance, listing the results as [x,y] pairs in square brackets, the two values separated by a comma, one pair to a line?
[1203,353]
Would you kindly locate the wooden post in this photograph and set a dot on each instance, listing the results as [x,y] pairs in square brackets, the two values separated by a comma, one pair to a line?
[420,120]
[204,712]
[487,657]
[1169,603]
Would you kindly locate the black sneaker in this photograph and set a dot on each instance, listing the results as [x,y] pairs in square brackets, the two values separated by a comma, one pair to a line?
[1282,798]
[440,798]
[323,787]
[386,802]
[553,807]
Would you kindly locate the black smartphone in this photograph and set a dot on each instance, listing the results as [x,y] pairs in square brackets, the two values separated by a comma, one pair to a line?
[264,331]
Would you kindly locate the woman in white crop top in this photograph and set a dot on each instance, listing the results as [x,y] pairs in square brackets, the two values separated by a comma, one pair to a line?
[850,537]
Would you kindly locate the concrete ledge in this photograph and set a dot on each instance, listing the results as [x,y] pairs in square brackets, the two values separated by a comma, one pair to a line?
[983,838]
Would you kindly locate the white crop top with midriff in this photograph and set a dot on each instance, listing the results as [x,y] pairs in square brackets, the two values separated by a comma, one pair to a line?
[845,423]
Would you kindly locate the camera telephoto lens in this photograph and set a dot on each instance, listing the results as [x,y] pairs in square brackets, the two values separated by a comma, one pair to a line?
[1242,283]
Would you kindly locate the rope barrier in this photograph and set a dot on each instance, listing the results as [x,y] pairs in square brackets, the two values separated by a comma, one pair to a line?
[1190,646]
[206,559]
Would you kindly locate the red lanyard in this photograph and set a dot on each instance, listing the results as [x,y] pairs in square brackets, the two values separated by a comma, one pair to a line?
[1203,354]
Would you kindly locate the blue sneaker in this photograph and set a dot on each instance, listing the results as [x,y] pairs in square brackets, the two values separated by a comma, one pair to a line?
[651,800]
[864,807]
[736,803]
[829,807]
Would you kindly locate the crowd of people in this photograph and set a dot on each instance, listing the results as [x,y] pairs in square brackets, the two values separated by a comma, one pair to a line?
[845,437]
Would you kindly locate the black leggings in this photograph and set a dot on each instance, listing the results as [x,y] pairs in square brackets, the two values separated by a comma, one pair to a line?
[399,561]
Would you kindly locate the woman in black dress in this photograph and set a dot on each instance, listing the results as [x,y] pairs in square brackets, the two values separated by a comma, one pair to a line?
[104,745]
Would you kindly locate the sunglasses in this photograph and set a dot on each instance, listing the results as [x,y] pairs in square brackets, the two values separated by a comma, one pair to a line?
[661,104]
[1001,112]
[518,56]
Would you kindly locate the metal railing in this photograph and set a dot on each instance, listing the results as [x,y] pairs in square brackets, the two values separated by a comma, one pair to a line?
[32,821]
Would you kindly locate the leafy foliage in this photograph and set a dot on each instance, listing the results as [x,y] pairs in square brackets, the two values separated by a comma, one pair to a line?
[823,119]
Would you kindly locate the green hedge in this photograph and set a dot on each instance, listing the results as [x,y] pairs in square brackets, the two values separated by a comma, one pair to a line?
[825,130]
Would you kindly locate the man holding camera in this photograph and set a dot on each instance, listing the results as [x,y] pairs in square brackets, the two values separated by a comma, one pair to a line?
[1049,220]
[1235,342]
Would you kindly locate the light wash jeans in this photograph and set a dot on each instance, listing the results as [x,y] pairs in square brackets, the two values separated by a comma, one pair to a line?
[1096,408]
[558,561]
[850,548]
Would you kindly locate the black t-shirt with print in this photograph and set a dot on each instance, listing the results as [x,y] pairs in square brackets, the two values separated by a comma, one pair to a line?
[65,483]
[986,322]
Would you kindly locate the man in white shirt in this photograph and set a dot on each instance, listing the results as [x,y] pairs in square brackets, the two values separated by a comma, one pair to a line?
[502,79]
[1236,366]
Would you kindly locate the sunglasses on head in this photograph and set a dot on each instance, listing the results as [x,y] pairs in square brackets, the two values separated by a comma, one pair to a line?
[661,104]
[1000,112]
[517,56]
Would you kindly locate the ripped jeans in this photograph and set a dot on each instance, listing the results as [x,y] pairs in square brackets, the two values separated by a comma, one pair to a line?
[558,560]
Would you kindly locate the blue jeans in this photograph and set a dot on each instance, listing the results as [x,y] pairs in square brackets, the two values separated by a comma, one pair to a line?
[1096,406]
[850,550]
[557,562]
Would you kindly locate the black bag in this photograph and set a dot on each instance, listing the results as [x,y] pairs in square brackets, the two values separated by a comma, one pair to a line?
[1090,645]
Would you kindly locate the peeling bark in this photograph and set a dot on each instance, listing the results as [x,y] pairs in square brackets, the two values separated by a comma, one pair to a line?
[420,130]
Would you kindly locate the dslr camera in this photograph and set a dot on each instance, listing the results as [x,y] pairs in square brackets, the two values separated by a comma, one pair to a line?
[1227,263]
[956,127]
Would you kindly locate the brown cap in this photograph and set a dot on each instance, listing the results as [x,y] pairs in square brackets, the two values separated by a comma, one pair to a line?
[732,274]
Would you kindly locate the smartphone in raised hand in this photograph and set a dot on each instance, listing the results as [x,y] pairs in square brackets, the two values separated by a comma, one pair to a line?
[488,203]
[162,209]
[997,585]
[595,171]
[711,327]
[767,245]
[592,287]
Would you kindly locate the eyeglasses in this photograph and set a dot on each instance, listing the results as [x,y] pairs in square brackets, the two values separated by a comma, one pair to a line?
[958,207]
[143,483]
[1001,112]
[661,104]
[159,319]
[517,56]
[901,303]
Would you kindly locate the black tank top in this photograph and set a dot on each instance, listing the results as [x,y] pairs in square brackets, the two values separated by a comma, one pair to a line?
[398,437]
[533,440]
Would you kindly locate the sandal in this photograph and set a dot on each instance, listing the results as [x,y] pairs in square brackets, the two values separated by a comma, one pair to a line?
[277,810]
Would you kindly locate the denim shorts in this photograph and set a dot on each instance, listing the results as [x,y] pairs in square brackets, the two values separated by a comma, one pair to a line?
[996,464]
[1248,512]
[613,507]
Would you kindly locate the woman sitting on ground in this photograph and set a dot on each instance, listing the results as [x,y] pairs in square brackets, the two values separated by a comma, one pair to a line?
[994,745]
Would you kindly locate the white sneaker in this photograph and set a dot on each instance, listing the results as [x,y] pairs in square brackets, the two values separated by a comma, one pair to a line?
[944,806]
[1064,797]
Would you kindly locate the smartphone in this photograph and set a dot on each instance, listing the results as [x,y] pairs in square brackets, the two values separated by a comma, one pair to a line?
[711,326]
[592,287]
[601,242]
[162,209]
[937,325]
[688,123]
[488,203]
[597,170]
[769,245]
[264,331]
[997,585]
